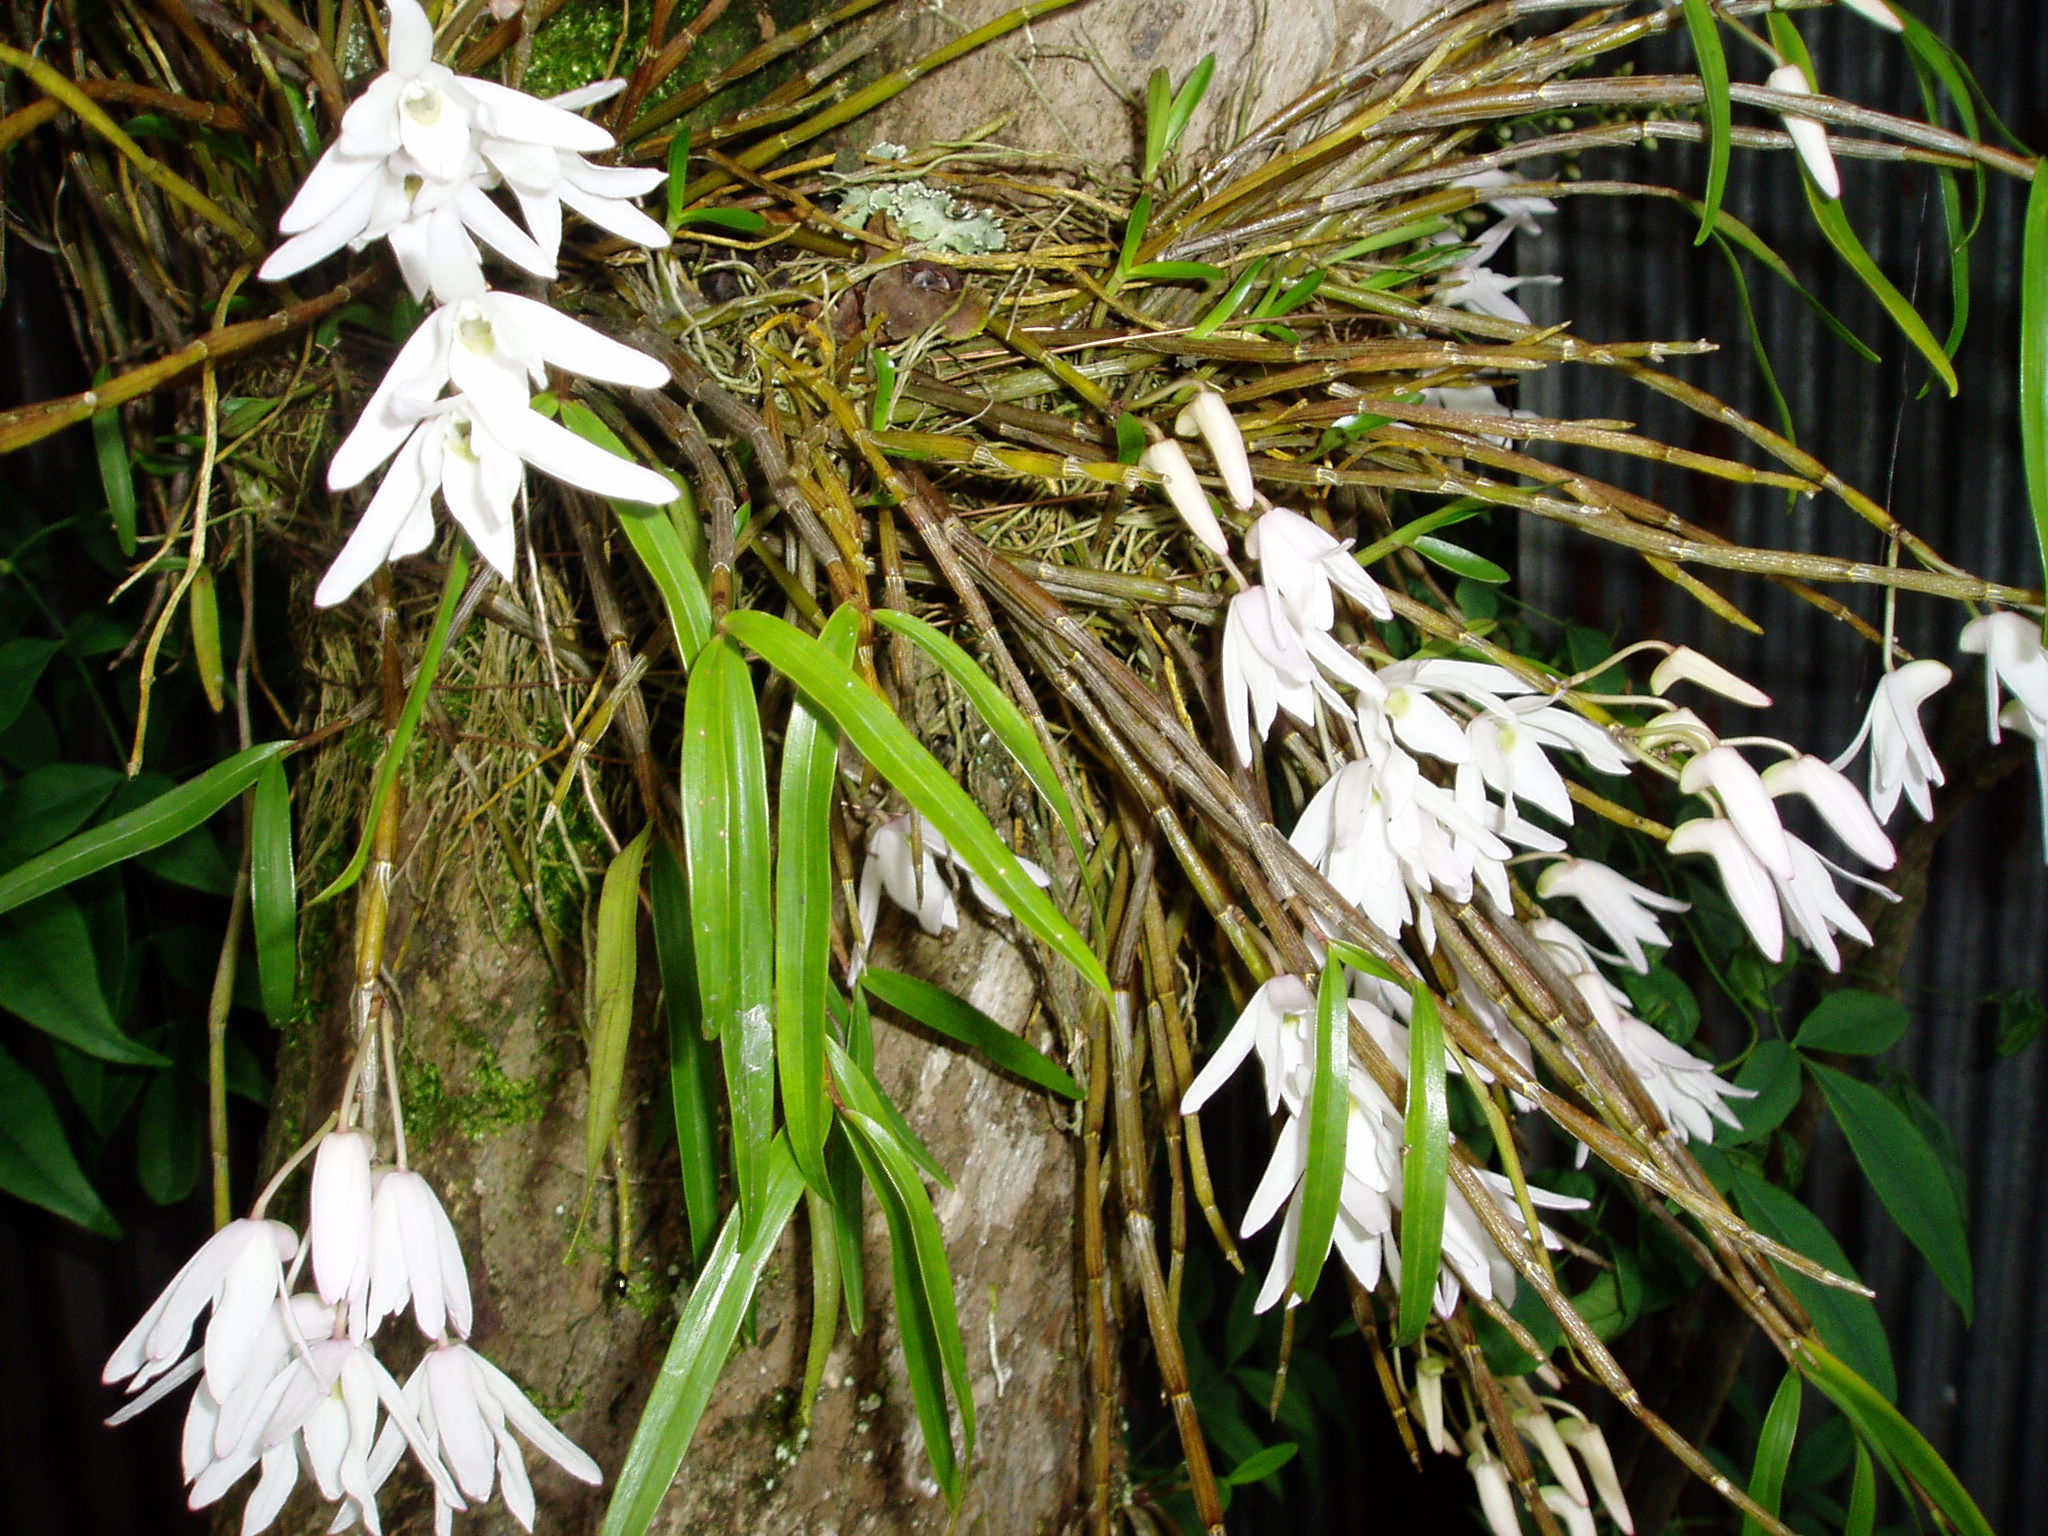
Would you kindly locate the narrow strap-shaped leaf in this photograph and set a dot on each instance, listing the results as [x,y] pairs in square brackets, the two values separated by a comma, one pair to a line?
[1848,1324]
[690,1070]
[1774,1450]
[957,1019]
[1232,300]
[400,745]
[1906,1175]
[858,1090]
[615,974]
[696,1355]
[655,540]
[1426,1166]
[725,836]
[1888,1433]
[1713,61]
[1329,1117]
[997,710]
[2034,354]
[928,1320]
[897,754]
[803,918]
[117,471]
[165,819]
[274,893]
[1834,224]
[1862,1516]
[851,1234]
[1733,229]
[827,1283]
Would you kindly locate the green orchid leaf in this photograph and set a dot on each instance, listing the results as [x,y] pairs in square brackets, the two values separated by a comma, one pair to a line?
[957,1019]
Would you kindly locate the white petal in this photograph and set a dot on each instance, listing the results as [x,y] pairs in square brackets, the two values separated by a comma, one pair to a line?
[1839,804]
[1168,460]
[409,40]
[508,114]
[571,345]
[465,1441]
[1808,136]
[530,1422]
[557,451]
[340,1224]
[435,128]
[1209,415]
[404,496]
[1688,665]
[1746,880]
[621,218]
[1876,11]
[490,224]
[280,1476]
[1740,790]
[335,180]
[416,375]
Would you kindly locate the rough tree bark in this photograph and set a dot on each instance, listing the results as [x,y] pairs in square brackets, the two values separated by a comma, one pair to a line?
[495,1063]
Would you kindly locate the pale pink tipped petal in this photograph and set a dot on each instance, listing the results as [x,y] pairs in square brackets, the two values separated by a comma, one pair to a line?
[340,1224]
[246,1295]
[409,40]
[1808,136]
[610,213]
[504,113]
[557,451]
[421,1222]
[577,348]
[512,1479]
[390,1284]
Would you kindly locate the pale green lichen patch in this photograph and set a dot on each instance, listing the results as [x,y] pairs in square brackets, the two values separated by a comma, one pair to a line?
[925,216]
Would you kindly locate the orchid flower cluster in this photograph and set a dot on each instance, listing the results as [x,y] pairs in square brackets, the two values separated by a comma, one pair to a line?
[419,154]
[288,1381]
[1433,765]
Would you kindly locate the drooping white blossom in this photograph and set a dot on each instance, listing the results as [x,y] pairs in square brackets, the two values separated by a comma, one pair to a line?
[917,885]
[238,1272]
[415,1257]
[1901,761]
[1625,911]
[1208,415]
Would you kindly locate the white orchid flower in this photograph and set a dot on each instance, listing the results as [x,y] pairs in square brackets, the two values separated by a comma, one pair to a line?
[1584,1437]
[1496,1499]
[1814,908]
[1208,415]
[415,1256]
[1625,911]
[495,350]
[1365,1212]
[338,1228]
[1844,810]
[2013,655]
[238,1272]
[1302,563]
[1266,669]
[1684,664]
[919,887]
[544,180]
[1743,876]
[1517,209]
[409,166]
[1739,789]
[1900,758]
[467,1410]
[1169,461]
[1808,136]
[1275,1024]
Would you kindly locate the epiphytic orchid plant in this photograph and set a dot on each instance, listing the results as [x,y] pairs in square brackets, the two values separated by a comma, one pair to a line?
[903,511]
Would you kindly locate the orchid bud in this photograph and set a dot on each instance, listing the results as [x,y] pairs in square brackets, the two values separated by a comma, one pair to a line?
[1685,664]
[1168,460]
[1209,415]
[1808,137]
